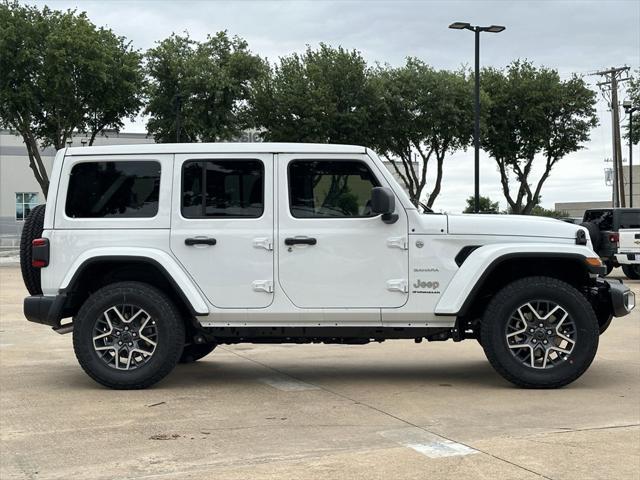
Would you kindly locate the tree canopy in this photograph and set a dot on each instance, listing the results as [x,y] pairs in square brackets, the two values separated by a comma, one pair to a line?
[323,95]
[425,112]
[533,116]
[633,92]
[200,88]
[63,75]
[486,205]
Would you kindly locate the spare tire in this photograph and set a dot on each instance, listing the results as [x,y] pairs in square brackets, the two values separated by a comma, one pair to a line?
[32,228]
[594,233]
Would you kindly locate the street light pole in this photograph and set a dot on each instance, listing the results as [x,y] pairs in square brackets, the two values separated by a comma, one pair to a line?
[476,128]
[629,110]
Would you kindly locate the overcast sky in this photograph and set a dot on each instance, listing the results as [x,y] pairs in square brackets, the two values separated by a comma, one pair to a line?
[572,36]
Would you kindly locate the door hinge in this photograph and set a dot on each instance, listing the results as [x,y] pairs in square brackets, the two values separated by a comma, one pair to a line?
[398,285]
[262,286]
[398,242]
[263,242]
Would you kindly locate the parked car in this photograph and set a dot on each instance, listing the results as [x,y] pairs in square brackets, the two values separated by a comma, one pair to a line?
[154,254]
[628,256]
[604,225]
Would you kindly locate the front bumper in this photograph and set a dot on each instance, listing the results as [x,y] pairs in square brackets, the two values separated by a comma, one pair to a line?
[47,310]
[618,297]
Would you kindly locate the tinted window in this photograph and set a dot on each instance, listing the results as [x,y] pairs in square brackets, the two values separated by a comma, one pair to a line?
[602,218]
[630,220]
[232,188]
[113,189]
[325,189]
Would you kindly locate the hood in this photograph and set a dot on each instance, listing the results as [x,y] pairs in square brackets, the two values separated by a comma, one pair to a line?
[511,225]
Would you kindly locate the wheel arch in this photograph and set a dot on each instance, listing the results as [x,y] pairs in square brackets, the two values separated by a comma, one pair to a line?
[485,273]
[97,271]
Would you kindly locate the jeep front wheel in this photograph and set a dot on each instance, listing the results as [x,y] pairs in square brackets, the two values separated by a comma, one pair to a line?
[540,332]
[128,335]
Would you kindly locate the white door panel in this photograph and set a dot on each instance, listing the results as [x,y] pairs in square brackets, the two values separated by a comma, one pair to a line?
[237,271]
[358,262]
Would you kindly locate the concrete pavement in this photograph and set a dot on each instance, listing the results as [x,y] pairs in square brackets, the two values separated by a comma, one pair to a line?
[391,410]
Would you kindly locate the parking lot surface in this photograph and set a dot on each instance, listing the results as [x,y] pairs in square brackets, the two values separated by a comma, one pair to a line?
[391,410]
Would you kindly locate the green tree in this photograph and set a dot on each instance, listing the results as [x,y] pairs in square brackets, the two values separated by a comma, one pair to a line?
[545,212]
[633,93]
[486,205]
[425,112]
[322,96]
[202,86]
[61,74]
[533,114]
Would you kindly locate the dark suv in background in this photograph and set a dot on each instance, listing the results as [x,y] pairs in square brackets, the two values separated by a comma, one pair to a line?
[603,225]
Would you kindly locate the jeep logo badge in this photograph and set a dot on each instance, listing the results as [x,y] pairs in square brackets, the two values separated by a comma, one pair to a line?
[431,285]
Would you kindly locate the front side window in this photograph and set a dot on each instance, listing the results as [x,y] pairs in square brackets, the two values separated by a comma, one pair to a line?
[223,188]
[120,189]
[330,189]
[25,202]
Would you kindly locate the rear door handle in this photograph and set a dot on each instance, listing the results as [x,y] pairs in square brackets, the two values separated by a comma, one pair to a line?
[300,241]
[199,241]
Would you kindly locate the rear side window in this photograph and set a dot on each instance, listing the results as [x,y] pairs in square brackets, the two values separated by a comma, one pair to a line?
[223,189]
[330,189]
[124,189]
[602,218]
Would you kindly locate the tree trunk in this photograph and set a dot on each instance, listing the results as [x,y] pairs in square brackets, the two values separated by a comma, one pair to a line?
[35,162]
[436,188]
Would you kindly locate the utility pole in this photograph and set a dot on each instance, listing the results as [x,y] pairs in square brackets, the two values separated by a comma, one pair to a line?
[612,79]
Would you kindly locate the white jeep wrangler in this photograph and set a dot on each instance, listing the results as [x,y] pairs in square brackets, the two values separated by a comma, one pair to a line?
[158,253]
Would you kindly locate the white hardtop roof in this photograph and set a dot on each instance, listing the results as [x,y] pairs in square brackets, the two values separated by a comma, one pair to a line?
[221,147]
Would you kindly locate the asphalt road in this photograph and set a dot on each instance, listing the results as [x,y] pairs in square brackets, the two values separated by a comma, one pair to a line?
[396,410]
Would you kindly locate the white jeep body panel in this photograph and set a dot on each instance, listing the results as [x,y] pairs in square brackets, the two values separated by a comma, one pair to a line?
[628,246]
[361,272]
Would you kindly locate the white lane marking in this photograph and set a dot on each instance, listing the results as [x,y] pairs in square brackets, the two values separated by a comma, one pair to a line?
[428,444]
[286,384]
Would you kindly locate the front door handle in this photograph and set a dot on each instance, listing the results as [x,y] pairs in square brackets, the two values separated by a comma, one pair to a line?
[199,241]
[300,241]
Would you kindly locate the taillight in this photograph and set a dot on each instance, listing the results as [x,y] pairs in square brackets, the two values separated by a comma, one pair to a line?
[614,237]
[39,252]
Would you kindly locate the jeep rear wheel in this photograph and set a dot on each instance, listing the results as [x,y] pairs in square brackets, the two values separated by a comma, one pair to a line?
[539,332]
[632,271]
[128,335]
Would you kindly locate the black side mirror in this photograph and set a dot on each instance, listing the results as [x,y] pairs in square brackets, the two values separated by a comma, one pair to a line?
[383,201]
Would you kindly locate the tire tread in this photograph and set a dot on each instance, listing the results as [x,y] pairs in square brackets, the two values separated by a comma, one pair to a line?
[518,288]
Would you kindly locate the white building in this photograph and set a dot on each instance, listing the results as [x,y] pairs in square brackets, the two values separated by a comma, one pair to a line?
[19,190]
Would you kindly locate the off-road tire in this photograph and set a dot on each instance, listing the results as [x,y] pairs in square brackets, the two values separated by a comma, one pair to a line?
[531,289]
[169,324]
[32,228]
[195,351]
[631,271]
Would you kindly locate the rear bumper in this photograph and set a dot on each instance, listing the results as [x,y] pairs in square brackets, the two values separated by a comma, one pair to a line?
[628,258]
[43,309]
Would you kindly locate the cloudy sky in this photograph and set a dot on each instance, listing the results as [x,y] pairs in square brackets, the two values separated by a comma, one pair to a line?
[573,36]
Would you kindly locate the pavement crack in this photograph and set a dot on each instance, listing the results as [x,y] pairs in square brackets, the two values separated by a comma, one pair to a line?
[383,412]
[587,429]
